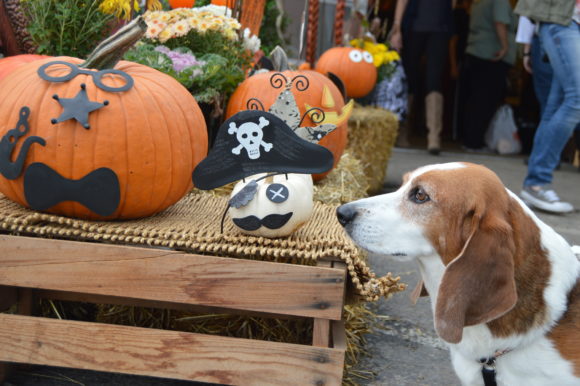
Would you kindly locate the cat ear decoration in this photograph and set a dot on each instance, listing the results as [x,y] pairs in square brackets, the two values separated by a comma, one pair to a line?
[286,109]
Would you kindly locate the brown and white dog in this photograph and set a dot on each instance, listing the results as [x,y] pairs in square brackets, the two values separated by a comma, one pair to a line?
[504,286]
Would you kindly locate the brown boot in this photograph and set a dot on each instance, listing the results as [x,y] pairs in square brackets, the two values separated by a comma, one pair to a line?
[406,126]
[434,121]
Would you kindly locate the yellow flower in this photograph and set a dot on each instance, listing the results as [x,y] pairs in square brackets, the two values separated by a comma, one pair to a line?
[120,8]
[381,47]
[165,35]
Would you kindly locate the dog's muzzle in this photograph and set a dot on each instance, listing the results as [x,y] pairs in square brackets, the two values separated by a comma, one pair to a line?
[346,214]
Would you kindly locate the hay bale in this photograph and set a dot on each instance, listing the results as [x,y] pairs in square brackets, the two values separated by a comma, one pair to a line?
[372,132]
[347,182]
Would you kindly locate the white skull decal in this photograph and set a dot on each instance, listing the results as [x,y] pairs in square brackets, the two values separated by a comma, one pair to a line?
[250,136]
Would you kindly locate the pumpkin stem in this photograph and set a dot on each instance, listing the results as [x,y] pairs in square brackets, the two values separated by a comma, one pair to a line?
[279,59]
[108,53]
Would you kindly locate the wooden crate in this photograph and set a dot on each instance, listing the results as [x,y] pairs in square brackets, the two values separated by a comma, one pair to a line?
[92,272]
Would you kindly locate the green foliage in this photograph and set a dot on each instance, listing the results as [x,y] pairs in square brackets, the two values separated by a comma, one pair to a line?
[67,27]
[268,34]
[217,76]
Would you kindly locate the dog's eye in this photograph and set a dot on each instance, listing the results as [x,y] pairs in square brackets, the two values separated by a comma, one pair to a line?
[419,196]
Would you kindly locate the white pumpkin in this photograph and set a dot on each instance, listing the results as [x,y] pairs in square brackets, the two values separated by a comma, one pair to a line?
[281,205]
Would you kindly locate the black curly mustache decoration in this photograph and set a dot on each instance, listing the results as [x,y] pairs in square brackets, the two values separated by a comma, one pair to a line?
[12,169]
[271,221]
[99,190]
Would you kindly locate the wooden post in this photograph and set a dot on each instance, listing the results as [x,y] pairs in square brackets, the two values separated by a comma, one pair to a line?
[312,34]
[9,42]
[339,22]
[252,15]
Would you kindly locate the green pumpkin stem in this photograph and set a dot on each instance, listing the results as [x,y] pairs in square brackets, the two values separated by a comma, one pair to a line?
[108,53]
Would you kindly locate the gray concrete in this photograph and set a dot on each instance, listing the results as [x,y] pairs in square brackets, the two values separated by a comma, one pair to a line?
[404,348]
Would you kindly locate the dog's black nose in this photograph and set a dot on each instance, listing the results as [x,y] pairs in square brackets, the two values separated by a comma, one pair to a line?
[345,214]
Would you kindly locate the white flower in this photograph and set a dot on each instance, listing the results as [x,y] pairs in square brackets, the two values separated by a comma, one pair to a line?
[218,10]
[251,42]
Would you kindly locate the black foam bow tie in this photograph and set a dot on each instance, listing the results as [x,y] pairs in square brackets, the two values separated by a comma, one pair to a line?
[99,190]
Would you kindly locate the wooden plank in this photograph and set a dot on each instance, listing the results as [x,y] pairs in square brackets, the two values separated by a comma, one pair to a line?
[338,334]
[121,301]
[321,333]
[170,276]
[162,353]
[8,297]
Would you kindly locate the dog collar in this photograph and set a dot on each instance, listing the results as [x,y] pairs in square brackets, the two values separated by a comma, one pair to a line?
[488,371]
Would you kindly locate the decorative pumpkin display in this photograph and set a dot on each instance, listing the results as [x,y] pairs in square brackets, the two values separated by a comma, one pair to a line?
[98,139]
[310,89]
[10,63]
[354,66]
[181,3]
[281,205]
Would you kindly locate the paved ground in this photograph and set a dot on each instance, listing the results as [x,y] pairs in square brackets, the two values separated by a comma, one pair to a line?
[404,349]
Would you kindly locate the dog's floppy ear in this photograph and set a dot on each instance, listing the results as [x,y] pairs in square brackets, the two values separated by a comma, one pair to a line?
[478,285]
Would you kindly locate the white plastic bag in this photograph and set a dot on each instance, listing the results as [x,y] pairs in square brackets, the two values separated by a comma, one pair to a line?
[502,133]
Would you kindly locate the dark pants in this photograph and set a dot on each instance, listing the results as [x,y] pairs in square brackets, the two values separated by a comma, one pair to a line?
[434,46]
[481,93]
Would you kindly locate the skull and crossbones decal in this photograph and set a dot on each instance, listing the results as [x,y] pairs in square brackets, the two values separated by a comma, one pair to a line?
[250,137]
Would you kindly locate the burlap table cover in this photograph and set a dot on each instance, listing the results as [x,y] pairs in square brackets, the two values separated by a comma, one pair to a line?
[193,225]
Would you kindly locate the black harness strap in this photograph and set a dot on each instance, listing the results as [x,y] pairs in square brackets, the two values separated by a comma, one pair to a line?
[488,371]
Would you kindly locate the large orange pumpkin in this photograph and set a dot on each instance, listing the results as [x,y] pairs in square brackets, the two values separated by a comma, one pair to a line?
[321,93]
[181,3]
[10,63]
[151,136]
[353,66]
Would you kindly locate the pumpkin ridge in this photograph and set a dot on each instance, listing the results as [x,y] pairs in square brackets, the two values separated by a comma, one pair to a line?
[169,155]
[153,143]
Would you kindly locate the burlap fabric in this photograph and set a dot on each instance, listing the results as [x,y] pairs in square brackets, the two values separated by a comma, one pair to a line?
[193,225]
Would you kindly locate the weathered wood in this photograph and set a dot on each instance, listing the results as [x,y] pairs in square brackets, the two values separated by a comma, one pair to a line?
[338,334]
[121,301]
[162,353]
[27,301]
[8,296]
[170,276]
[321,333]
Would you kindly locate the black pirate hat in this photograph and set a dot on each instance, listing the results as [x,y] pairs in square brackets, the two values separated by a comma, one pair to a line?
[255,141]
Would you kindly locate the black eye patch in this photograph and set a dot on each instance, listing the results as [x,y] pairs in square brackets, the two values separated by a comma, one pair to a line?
[271,221]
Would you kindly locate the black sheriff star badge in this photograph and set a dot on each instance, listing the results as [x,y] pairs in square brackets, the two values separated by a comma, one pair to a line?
[77,108]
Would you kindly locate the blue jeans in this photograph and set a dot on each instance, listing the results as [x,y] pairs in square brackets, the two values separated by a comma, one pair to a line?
[562,111]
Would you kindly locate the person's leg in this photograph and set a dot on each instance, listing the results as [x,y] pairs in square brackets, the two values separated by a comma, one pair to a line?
[542,76]
[436,50]
[413,50]
[561,114]
[486,92]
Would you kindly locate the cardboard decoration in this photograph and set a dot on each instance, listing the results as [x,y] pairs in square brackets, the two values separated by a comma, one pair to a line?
[99,190]
[12,169]
[77,108]
[253,142]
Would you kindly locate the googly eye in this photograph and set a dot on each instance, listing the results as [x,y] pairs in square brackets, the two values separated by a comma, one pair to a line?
[367,57]
[355,56]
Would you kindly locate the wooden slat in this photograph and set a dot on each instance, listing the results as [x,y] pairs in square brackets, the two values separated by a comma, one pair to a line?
[321,333]
[121,301]
[170,276]
[7,297]
[162,353]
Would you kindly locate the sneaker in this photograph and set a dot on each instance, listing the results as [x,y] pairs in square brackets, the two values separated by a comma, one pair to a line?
[545,199]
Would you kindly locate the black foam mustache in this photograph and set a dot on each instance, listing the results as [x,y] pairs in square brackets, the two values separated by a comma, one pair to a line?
[99,190]
[271,221]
